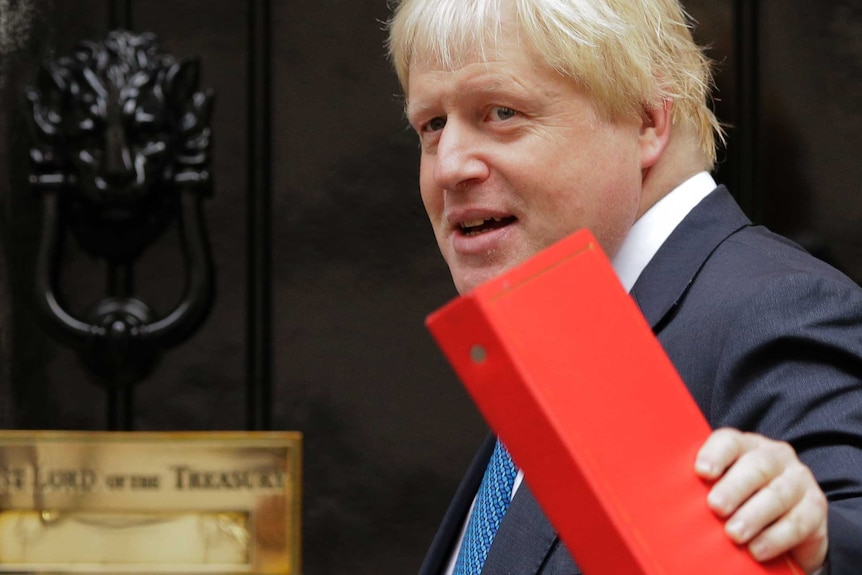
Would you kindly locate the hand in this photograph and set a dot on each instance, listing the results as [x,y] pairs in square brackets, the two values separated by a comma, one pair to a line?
[770,499]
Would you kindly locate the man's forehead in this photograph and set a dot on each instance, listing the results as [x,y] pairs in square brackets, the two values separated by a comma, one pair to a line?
[473,75]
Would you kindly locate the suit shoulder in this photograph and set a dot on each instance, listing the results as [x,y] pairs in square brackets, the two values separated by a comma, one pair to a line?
[754,258]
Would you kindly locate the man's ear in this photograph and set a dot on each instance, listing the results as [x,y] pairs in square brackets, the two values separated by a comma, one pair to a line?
[655,131]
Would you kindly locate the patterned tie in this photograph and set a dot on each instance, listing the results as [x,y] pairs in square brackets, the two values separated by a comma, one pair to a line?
[492,501]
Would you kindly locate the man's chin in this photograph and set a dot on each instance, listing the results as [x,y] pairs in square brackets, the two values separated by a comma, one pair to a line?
[468,280]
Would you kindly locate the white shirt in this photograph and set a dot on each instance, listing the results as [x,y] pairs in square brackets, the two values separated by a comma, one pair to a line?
[642,242]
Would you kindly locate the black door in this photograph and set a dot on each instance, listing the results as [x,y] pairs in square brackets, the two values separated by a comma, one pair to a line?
[325,264]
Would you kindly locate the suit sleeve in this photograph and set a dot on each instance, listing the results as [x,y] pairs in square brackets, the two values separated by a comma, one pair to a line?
[790,368]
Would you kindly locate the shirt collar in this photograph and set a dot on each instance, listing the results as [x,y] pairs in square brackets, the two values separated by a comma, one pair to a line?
[651,230]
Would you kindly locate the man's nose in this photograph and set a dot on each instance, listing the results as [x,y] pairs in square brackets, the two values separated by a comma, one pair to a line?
[459,157]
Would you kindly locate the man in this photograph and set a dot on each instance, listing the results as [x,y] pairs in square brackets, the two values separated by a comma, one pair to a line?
[540,117]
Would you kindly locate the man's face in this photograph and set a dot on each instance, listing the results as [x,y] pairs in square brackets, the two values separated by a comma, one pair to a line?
[514,158]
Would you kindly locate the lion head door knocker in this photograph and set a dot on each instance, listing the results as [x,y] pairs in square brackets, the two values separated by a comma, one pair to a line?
[120,152]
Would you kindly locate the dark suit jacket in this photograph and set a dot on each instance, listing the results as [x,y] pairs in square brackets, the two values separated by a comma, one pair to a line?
[767,339]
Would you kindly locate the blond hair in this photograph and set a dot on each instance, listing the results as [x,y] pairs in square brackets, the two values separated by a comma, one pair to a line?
[629,54]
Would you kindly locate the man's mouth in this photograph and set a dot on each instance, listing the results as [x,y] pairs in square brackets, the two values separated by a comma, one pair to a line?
[480,226]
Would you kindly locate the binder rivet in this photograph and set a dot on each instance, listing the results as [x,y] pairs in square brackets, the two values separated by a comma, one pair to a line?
[478,354]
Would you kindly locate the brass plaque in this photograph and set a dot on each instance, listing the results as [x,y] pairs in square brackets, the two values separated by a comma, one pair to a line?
[142,503]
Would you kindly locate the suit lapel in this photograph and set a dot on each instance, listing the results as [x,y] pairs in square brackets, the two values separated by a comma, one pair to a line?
[522,542]
[524,539]
[447,534]
[668,275]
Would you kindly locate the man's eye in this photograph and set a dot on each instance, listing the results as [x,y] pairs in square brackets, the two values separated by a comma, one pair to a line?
[502,113]
[435,124]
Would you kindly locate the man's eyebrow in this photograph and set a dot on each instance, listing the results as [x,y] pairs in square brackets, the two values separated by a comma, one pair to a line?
[412,109]
[481,87]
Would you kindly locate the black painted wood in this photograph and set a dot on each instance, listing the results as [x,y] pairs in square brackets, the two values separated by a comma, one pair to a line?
[120,15]
[746,180]
[259,230]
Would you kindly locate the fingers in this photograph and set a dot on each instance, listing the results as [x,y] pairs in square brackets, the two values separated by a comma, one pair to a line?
[778,515]
[720,450]
[771,500]
[802,531]
[757,465]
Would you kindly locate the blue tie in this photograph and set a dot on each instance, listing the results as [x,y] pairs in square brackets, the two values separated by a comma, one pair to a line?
[492,501]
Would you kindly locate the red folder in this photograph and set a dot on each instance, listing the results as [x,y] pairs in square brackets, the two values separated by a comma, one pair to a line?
[565,369]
